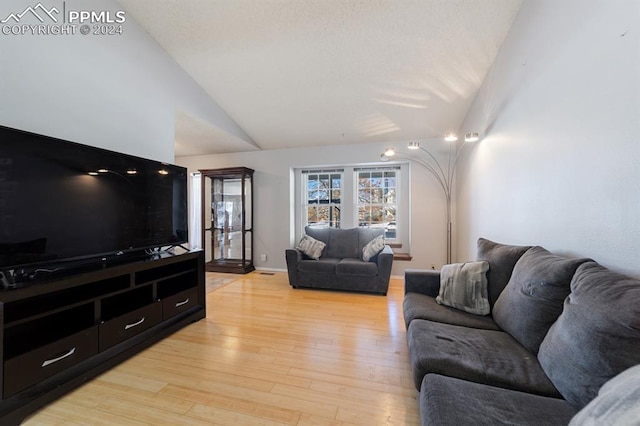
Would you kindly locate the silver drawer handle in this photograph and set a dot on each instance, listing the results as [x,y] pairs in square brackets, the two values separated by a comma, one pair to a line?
[184,302]
[61,357]
[128,326]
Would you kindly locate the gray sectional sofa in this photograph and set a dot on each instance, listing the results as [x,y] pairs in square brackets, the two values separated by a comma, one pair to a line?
[341,265]
[558,330]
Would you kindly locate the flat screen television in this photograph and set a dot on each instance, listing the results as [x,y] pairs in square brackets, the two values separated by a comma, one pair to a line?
[62,202]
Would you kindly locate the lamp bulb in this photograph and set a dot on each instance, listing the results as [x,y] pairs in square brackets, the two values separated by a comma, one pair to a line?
[471,137]
[451,137]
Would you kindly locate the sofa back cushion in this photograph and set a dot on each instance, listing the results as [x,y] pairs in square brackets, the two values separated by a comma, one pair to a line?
[502,258]
[596,337]
[341,243]
[532,300]
[320,234]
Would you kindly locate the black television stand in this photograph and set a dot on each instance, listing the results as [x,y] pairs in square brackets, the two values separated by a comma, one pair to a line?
[59,333]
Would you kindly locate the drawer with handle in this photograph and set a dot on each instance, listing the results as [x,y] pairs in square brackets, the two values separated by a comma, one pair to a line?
[123,327]
[34,366]
[179,302]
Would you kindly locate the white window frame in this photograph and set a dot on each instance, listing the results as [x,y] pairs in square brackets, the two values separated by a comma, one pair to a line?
[390,235]
[330,173]
[349,202]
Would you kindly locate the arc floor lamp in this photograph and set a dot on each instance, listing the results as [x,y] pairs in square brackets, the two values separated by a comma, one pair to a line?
[443,173]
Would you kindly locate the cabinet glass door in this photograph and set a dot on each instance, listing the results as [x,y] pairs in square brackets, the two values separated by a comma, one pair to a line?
[228,215]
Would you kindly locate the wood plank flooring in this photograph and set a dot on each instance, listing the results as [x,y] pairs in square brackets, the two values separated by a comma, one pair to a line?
[265,355]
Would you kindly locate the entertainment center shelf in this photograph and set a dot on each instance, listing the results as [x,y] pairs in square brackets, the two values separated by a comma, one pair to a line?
[57,334]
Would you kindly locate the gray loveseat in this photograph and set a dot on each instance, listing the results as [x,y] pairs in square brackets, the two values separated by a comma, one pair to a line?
[559,329]
[341,266]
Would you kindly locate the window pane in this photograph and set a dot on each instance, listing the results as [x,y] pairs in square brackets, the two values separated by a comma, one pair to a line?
[324,182]
[363,180]
[377,214]
[364,215]
[335,217]
[376,195]
[377,200]
[390,196]
[364,196]
[323,197]
[311,214]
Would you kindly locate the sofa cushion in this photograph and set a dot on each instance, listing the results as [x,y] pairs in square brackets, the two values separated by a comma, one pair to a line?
[319,233]
[451,401]
[483,356]
[311,247]
[464,286]
[533,299]
[372,248]
[356,267]
[344,243]
[502,258]
[617,403]
[422,306]
[325,265]
[596,337]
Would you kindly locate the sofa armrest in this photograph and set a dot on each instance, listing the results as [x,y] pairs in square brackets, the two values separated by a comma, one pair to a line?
[292,256]
[424,281]
[385,262]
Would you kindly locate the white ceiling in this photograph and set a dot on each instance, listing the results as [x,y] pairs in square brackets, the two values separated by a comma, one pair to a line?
[320,72]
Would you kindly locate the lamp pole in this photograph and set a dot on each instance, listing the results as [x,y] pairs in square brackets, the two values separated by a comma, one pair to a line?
[444,174]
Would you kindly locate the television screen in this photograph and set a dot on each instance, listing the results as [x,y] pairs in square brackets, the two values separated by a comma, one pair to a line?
[61,200]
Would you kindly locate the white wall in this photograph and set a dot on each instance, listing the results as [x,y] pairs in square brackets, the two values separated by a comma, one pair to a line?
[273,199]
[118,92]
[559,166]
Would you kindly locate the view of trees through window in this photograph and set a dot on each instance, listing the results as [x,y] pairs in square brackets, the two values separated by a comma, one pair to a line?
[371,199]
[323,198]
[377,200]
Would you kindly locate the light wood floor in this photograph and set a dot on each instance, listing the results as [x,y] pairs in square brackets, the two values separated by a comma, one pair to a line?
[266,354]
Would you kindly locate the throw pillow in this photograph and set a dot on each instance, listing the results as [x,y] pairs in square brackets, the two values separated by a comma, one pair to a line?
[596,336]
[311,247]
[464,286]
[372,248]
[617,403]
[502,258]
[533,299]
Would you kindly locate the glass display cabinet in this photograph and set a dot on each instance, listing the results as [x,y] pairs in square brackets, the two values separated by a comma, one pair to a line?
[227,214]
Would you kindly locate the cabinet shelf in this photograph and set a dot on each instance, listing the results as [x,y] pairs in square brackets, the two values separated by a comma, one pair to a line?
[34,307]
[46,329]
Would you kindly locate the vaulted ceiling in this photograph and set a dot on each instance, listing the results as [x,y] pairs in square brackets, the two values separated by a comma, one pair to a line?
[297,73]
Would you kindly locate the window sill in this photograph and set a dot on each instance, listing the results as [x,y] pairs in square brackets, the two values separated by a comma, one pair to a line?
[402,256]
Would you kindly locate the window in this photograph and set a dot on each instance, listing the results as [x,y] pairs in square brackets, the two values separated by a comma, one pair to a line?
[323,197]
[353,196]
[377,199]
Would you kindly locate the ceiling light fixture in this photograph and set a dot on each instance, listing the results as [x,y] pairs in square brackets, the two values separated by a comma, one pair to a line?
[163,172]
[132,172]
[103,171]
[414,145]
